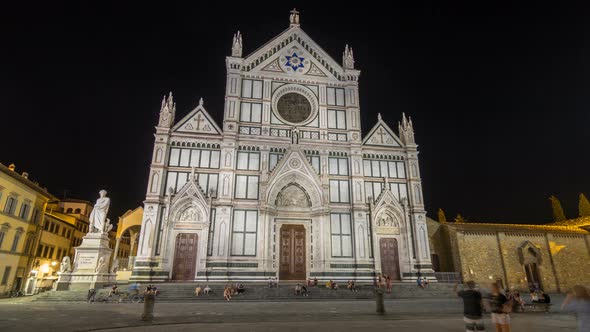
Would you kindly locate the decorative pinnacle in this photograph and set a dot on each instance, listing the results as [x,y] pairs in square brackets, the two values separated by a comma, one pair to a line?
[379,117]
[201,101]
[236,47]
[348,58]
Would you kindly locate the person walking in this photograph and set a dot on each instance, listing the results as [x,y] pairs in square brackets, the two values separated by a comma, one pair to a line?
[472,308]
[578,302]
[501,308]
[388,283]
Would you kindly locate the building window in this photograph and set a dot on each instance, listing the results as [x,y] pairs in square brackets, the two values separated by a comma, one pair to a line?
[273,159]
[24,211]
[45,251]
[341,235]
[374,189]
[198,158]
[246,187]
[335,96]
[336,119]
[3,232]
[28,244]
[338,166]
[57,229]
[211,232]
[384,168]
[39,250]
[69,210]
[339,191]
[208,182]
[314,160]
[251,112]
[51,253]
[6,275]
[244,233]
[10,206]
[249,161]
[15,242]
[252,89]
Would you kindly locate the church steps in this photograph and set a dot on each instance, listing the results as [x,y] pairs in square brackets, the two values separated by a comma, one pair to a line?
[184,292]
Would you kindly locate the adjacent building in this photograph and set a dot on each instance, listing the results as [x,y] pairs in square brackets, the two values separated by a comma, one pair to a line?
[553,256]
[288,186]
[22,203]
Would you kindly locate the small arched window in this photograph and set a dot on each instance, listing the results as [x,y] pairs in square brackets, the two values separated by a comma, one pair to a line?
[77,211]
[69,210]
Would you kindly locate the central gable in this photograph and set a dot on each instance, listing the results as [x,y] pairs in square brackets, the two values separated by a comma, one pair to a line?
[197,121]
[293,51]
[382,135]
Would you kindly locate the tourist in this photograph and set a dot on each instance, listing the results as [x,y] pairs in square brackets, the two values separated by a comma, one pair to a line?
[472,308]
[91,295]
[349,285]
[240,289]
[578,302]
[334,285]
[315,282]
[534,297]
[198,291]
[227,292]
[420,282]
[134,288]
[329,284]
[501,308]
[518,300]
[388,283]
[425,282]
[298,289]
[114,291]
[546,297]
[206,290]
[304,291]
[155,290]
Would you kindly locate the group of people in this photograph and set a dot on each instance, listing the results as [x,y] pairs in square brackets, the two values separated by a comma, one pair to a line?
[422,282]
[331,284]
[350,285]
[383,281]
[231,290]
[312,282]
[273,282]
[202,291]
[501,304]
[301,290]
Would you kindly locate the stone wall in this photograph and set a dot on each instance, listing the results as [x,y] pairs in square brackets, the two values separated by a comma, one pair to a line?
[479,257]
[571,258]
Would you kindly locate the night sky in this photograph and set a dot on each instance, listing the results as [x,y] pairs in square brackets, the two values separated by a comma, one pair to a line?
[498,95]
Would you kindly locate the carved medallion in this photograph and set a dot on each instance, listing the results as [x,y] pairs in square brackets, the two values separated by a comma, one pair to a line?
[294,107]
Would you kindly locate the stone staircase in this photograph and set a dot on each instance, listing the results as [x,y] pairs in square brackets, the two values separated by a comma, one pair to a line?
[185,292]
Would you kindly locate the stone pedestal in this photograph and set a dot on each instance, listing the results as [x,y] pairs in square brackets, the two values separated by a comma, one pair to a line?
[91,268]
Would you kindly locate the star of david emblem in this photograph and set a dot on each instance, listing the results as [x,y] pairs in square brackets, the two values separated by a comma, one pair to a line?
[294,61]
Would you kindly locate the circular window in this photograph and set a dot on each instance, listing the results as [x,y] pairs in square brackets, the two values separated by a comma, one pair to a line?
[294,107]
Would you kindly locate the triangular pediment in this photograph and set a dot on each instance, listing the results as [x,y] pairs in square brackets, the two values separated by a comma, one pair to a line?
[190,205]
[382,135]
[191,189]
[197,121]
[294,52]
[295,169]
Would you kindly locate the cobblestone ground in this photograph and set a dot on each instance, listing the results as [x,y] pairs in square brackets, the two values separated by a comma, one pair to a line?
[402,315]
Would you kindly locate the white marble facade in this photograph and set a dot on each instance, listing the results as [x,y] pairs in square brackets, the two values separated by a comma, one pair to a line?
[290,152]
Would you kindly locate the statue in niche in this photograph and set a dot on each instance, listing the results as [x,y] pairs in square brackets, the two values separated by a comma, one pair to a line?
[190,214]
[293,196]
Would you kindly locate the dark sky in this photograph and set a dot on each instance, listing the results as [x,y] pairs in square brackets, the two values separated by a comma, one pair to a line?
[498,95]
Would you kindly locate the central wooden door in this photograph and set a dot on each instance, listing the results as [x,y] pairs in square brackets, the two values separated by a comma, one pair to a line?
[185,257]
[389,258]
[292,266]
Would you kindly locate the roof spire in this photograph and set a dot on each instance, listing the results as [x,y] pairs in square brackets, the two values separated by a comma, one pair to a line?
[236,47]
[348,58]
[294,18]
[167,111]
[201,101]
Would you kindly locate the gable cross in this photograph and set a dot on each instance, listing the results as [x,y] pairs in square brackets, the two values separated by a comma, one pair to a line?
[381,133]
[199,119]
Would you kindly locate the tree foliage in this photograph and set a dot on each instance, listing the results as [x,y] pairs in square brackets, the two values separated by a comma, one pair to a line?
[441,216]
[558,214]
[583,206]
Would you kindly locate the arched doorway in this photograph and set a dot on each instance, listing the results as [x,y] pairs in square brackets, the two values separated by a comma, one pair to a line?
[530,258]
[185,256]
[389,257]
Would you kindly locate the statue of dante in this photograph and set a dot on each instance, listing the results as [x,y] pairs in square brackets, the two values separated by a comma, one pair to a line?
[99,213]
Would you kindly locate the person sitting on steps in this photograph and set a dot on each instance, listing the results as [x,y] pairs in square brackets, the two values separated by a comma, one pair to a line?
[198,290]
[206,290]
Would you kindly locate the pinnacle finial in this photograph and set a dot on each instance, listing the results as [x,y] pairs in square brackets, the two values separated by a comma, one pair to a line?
[348,58]
[201,101]
[236,48]
[379,117]
[294,17]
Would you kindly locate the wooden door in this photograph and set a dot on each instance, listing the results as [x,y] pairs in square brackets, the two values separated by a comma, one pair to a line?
[185,257]
[389,258]
[292,266]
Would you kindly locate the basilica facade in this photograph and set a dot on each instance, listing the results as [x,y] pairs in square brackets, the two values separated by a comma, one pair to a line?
[287,186]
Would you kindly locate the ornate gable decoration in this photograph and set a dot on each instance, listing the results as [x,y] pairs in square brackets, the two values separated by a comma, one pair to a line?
[293,51]
[190,205]
[198,121]
[388,217]
[382,135]
[294,169]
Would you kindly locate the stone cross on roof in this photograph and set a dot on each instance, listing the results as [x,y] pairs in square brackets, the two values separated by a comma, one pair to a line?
[294,17]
